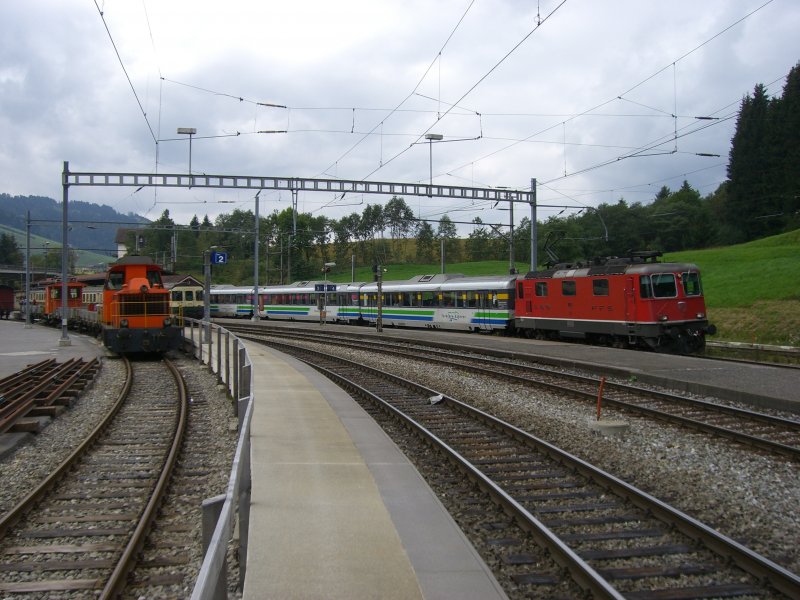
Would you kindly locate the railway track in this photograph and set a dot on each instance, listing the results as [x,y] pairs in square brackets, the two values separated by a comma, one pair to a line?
[783,356]
[78,534]
[753,429]
[614,540]
[42,389]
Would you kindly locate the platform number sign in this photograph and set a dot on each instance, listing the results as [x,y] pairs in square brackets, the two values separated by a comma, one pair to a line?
[219,258]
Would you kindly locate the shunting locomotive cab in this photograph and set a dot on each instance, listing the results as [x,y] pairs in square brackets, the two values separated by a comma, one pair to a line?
[136,310]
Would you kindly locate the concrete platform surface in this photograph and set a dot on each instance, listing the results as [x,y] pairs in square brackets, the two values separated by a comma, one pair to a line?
[21,346]
[337,510]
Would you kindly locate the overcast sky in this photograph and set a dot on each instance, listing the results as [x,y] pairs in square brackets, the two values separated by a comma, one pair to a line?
[563,91]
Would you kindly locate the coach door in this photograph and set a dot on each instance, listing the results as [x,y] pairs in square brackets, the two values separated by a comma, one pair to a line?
[484,306]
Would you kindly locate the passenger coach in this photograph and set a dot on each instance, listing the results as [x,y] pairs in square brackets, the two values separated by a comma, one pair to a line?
[443,301]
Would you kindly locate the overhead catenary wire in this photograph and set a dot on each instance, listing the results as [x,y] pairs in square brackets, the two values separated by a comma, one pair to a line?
[592,110]
[125,71]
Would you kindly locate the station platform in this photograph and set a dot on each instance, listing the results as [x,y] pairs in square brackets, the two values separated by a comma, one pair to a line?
[337,511]
[21,346]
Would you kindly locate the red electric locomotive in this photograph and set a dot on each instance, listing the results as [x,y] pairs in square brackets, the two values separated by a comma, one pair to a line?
[625,302]
[136,313]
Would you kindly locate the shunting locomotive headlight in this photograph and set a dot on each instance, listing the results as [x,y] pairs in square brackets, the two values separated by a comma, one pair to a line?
[123,323]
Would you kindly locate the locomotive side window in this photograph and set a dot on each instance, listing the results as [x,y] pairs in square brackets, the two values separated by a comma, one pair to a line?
[568,288]
[600,287]
[691,284]
[645,287]
[541,288]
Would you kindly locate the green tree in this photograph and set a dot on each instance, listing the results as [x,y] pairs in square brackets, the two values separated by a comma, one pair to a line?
[479,243]
[424,241]
[750,172]
[787,146]
[448,233]
[9,250]
[400,220]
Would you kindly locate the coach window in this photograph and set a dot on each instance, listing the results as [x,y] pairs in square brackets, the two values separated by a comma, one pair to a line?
[176,296]
[568,288]
[541,288]
[600,287]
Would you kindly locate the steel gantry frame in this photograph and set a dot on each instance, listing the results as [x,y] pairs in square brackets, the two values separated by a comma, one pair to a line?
[293,184]
[299,184]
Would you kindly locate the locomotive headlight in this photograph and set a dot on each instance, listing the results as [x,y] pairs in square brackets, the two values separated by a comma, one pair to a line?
[663,317]
[123,323]
[700,316]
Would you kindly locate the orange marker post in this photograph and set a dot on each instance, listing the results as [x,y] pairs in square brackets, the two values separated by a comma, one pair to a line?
[600,396]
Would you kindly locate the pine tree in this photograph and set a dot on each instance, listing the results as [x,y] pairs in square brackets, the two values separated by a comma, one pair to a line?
[748,168]
[787,119]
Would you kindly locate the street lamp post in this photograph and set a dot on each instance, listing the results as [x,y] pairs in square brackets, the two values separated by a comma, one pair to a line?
[326,268]
[379,316]
[432,137]
[207,292]
[190,131]
[255,264]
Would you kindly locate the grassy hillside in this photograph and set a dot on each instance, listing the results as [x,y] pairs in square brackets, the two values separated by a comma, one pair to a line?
[86,259]
[752,290]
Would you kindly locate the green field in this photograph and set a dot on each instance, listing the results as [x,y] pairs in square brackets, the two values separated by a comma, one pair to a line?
[752,290]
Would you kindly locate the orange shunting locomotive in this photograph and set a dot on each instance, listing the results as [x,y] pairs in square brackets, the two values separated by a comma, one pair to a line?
[136,311]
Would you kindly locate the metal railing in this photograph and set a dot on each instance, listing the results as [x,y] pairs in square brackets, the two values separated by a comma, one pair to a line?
[226,356]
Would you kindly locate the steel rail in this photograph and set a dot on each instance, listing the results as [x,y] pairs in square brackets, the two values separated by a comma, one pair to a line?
[792,452]
[116,582]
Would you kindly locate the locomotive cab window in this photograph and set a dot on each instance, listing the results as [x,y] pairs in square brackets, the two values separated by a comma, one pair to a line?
[154,278]
[115,280]
[691,284]
[568,288]
[658,285]
[600,287]
[541,288]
